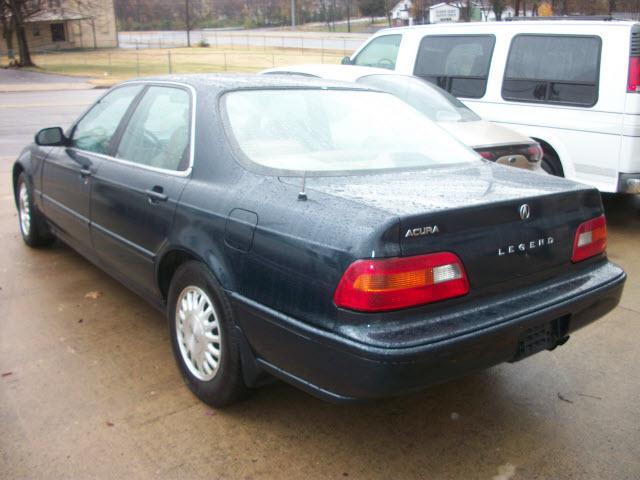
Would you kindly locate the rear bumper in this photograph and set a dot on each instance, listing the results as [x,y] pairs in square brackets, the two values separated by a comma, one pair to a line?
[338,368]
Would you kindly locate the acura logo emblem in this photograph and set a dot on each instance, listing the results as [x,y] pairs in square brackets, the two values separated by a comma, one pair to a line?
[525,211]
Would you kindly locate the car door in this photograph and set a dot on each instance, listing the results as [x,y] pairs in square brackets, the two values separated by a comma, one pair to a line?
[66,178]
[135,192]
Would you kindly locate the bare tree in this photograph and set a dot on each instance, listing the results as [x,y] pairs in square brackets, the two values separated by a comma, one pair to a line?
[19,11]
[419,10]
[6,24]
[347,4]
[328,9]
[464,6]
[559,6]
[498,8]
[387,11]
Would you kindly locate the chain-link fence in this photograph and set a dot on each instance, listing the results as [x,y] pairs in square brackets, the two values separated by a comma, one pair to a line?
[120,64]
[244,40]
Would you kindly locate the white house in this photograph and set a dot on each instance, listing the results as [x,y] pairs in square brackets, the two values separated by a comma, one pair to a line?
[444,12]
[401,13]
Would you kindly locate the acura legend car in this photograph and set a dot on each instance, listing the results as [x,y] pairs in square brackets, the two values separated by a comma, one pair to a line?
[324,233]
[492,141]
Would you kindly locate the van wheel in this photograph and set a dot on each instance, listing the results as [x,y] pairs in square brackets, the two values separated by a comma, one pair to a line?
[201,329]
[33,225]
[551,164]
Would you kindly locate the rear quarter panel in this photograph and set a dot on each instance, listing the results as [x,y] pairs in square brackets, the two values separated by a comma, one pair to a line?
[299,249]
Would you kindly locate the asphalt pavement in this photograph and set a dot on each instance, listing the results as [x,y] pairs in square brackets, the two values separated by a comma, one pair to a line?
[19,76]
[14,80]
[88,386]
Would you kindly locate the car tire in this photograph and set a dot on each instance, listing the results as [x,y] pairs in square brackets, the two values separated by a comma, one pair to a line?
[33,226]
[201,330]
[551,164]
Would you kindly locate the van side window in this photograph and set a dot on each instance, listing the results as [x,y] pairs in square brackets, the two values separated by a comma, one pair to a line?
[456,63]
[380,52]
[555,69]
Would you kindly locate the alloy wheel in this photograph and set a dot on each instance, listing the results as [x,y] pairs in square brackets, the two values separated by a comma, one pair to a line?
[198,333]
[24,209]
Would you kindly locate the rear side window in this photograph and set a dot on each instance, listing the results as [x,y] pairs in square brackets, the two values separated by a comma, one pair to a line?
[555,69]
[380,52]
[157,134]
[457,63]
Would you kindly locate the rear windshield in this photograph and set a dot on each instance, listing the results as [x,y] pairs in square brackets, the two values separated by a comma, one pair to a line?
[321,131]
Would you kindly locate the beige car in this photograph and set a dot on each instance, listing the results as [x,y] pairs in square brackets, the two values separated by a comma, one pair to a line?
[491,141]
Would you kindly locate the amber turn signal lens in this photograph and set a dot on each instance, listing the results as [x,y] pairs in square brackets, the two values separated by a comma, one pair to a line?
[590,240]
[396,283]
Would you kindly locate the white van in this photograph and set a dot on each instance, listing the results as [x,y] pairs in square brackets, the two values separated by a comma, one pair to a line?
[572,85]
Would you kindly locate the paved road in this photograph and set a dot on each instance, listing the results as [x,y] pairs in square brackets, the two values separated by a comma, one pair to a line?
[344,42]
[89,388]
[12,76]
[23,114]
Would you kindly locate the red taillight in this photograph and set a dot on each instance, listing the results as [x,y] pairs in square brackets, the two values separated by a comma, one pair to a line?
[591,239]
[395,283]
[487,155]
[633,83]
[534,153]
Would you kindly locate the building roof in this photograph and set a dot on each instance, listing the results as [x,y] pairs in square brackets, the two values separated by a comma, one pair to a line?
[400,6]
[443,4]
[56,16]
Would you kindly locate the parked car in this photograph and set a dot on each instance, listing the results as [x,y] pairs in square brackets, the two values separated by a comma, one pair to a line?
[325,233]
[491,141]
[571,85]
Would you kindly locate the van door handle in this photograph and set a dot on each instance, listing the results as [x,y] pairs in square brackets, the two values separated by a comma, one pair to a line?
[156,194]
[85,172]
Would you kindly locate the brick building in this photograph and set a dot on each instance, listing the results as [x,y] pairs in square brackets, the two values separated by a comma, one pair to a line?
[70,24]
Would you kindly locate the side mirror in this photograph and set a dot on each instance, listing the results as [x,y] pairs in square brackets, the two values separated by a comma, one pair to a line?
[346,61]
[51,137]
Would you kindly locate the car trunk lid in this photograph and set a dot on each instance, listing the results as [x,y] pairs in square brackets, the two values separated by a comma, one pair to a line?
[503,223]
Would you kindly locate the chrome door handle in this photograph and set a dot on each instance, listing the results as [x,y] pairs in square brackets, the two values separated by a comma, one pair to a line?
[85,172]
[155,195]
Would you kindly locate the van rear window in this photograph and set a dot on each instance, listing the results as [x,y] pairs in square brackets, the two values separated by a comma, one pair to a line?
[555,69]
[457,63]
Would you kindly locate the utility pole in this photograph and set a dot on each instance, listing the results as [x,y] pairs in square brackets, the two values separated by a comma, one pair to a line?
[293,14]
[187,21]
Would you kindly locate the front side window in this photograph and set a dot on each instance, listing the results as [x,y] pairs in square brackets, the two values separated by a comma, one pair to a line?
[458,64]
[380,52]
[94,131]
[157,134]
[562,69]
[321,131]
